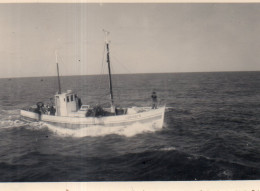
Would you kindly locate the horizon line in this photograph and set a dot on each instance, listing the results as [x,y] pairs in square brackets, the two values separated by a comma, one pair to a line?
[131,74]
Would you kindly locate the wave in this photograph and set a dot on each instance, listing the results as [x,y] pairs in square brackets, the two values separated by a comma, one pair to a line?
[10,118]
[95,131]
[5,124]
[168,149]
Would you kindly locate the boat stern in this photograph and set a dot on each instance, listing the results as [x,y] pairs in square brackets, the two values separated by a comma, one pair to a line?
[29,116]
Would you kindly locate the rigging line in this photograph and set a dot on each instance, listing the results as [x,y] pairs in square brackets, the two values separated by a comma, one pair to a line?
[118,92]
[49,66]
[102,71]
[145,80]
[117,61]
[116,84]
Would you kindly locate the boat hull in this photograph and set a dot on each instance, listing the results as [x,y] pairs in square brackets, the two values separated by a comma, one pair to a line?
[153,117]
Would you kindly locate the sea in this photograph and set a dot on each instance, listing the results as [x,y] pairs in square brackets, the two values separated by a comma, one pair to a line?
[211,130]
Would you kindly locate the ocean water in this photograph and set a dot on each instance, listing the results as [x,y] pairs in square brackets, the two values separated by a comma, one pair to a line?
[211,132]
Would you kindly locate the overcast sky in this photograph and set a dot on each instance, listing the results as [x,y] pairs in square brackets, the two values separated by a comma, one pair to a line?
[145,38]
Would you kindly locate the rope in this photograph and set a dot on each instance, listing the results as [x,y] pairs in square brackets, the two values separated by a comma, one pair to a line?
[117,61]
[113,80]
[102,69]
[125,67]
[101,77]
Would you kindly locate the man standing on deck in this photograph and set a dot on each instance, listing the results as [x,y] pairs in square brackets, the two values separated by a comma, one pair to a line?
[154,98]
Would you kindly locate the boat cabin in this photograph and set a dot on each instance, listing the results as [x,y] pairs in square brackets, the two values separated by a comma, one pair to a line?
[66,103]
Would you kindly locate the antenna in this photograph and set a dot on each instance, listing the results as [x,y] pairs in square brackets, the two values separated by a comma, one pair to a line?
[106,35]
[56,56]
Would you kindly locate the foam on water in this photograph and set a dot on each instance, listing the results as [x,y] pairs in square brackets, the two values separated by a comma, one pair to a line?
[168,149]
[95,131]
[10,118]
[5,124]
[11,123]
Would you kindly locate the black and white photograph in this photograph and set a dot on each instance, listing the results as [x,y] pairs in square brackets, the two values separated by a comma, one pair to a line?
[115,92]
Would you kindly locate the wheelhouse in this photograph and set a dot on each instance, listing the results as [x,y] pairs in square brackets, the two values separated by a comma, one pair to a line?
[66,103]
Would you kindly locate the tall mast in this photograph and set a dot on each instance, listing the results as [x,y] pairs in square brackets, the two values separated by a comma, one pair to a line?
[58,73]
[109,70]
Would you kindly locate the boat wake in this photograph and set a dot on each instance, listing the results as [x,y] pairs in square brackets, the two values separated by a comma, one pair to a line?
[96,131]
[10,118]
[5,124]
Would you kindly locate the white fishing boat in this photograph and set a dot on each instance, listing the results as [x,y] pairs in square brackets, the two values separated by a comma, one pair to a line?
[67,110]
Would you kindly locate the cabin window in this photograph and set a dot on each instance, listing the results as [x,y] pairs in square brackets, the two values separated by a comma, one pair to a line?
[68,98]
[71,98]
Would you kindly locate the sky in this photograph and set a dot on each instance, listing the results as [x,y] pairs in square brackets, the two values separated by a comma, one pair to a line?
[145,38]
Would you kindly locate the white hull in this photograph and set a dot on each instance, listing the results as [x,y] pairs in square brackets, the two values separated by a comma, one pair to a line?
[152,116]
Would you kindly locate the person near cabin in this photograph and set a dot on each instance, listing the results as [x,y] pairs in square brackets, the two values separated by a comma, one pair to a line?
[80,103]
[78,100]
[52,109]
[154,99]
[47,109]
[40,108]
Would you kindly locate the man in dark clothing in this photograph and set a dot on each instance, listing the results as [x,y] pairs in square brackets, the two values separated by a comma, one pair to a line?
[52,110]
[78,100]
[80,103]
[154,98]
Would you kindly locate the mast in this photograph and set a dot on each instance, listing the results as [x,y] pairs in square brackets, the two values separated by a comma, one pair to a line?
[109,72]
[58,73]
